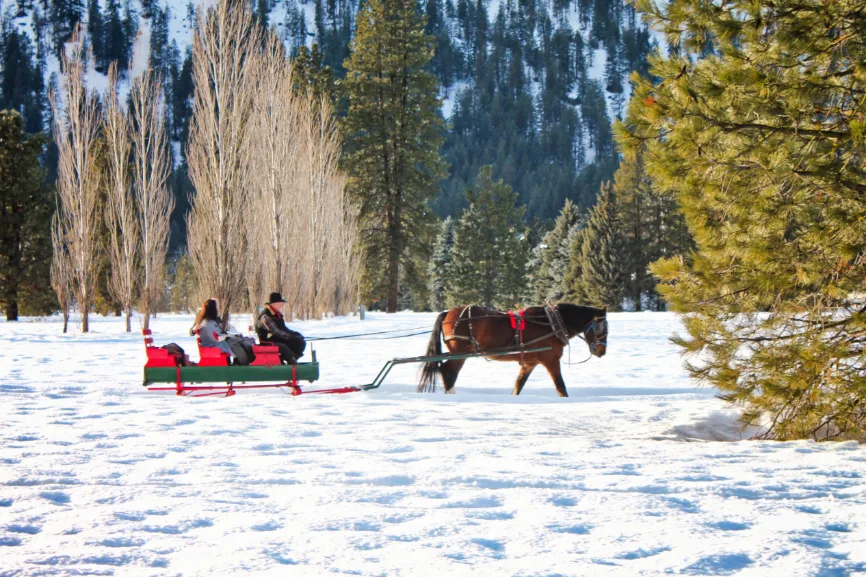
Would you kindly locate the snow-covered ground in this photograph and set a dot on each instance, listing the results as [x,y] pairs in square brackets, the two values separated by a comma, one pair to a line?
[98,476]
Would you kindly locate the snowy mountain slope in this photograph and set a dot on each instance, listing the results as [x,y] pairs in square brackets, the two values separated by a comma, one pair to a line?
[181,32]
[99,477]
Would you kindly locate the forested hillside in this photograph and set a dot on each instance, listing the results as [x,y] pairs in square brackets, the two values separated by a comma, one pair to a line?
[530,87]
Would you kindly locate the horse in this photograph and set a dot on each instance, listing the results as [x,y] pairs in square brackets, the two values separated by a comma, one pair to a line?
[474,329]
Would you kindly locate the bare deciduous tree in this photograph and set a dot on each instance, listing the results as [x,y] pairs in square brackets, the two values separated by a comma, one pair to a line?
[323,198]
[61,269]
[345,255]
[275,161]
[150,176]
[270,213]
[120,215]
[76,129]
[217,152]
[299,217]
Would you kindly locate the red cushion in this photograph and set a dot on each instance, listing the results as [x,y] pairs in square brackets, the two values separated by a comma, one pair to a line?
[267,354]
[157,357]
[212,357]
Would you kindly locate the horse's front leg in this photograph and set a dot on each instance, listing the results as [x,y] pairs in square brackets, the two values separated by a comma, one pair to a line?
[553,368]
[525,371]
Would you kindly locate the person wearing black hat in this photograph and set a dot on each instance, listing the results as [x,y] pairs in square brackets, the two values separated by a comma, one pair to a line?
[271,328]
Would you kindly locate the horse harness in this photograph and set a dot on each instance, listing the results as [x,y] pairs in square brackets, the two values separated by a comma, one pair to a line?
[518,323]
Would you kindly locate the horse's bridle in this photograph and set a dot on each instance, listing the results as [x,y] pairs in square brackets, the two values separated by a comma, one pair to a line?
[598,329]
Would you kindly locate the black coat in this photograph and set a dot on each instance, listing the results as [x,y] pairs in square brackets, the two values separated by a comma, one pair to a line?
[271,328]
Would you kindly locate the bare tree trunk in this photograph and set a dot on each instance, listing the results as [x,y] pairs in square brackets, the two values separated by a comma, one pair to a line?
[150,175]
[75,131]
[218,166]
[124,247]
[61,268]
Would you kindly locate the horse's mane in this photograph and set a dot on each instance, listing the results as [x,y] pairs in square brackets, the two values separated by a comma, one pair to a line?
[576,317]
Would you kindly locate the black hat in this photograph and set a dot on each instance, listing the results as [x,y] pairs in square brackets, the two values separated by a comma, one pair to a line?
[276,298]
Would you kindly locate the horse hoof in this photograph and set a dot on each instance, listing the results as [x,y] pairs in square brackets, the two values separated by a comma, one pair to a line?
[450,392]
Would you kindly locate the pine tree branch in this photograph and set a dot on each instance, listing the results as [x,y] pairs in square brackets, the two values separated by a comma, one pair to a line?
[737,126]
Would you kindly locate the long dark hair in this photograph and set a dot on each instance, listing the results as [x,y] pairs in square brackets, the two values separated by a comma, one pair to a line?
[208,312]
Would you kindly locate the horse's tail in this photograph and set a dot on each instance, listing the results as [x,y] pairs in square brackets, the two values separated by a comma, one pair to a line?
[427,382]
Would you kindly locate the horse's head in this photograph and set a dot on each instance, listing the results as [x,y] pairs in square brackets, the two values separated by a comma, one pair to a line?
[590,321]
[596,334]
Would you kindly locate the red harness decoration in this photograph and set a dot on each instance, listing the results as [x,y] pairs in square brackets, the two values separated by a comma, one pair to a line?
[518,323]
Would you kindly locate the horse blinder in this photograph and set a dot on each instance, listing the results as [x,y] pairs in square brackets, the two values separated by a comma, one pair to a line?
[596,336]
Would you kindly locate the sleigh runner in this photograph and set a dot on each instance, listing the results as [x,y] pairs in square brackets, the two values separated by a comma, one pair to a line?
[264,372]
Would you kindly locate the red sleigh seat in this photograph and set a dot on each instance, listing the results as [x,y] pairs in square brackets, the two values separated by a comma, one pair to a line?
[156,357]
[267,354]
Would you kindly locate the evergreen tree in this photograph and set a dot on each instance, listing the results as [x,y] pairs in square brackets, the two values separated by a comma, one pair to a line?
[572,282]
[640,219]
[26,205]
[147,8]
[159,46]
[190,15]
[652,225]
[295,27]
[130,29]
[262,12]
[21,84]
[182,285]
[442,64]
[311,73]
[393,132]
[762,146]
[116,44]
[319,19]
[437,272]
[548,278]
[514,289]
[181,93]
[613,76]
[94,33]
[488,260]
[603,254]
[64,16]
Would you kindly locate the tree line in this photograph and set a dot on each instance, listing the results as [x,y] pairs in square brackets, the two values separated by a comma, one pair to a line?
[112,28]
[599,257]
[395,222]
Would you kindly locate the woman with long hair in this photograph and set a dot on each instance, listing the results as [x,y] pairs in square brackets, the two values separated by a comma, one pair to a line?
[209,328]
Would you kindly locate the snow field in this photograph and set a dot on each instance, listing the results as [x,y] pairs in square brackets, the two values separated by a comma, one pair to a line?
[98,476]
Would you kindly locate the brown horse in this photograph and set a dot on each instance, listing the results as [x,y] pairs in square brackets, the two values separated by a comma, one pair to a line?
[475,329]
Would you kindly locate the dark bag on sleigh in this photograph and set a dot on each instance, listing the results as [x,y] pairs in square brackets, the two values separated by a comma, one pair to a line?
[175,351]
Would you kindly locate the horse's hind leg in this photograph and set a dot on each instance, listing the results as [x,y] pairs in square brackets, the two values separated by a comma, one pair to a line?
[449,372]
[525,371]
[552,367]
